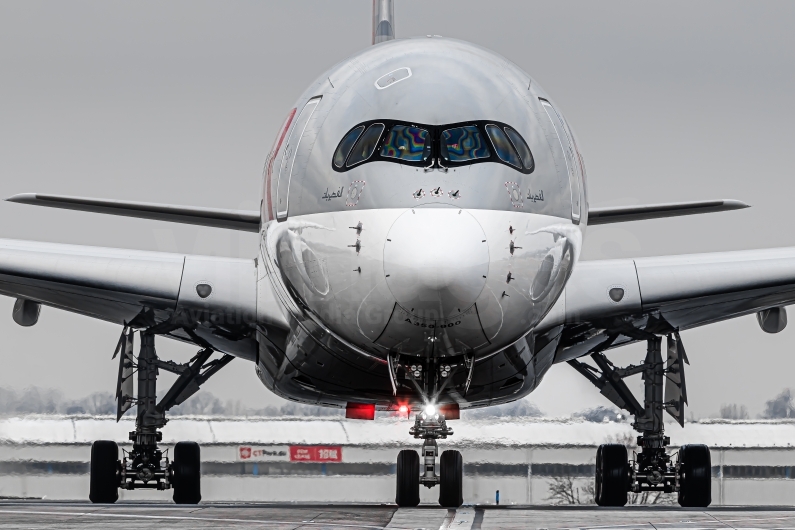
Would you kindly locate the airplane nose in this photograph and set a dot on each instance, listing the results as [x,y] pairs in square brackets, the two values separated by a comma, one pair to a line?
[436,261]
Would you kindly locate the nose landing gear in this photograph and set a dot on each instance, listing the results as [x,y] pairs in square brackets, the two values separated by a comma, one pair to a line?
[430,426]
[653,469]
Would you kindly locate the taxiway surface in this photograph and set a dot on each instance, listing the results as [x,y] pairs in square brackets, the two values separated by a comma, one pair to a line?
[51,515]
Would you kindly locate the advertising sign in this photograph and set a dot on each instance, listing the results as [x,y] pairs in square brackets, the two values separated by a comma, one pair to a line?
[272,453]
[289,453]
[315,453]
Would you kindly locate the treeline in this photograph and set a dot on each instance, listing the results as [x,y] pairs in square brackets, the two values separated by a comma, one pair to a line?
[34,400]
[780,407]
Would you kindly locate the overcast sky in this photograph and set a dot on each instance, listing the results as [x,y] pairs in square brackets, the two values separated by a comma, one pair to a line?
[179,101]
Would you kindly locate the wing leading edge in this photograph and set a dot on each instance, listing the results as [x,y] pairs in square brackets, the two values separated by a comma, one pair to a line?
[612,302]
[622,214]
[246,220]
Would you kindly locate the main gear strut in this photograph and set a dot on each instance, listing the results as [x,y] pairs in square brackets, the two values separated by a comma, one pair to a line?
[145,466]
[653,469]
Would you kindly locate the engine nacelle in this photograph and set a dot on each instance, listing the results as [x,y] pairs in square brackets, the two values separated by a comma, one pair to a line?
[772,320]
[26,312]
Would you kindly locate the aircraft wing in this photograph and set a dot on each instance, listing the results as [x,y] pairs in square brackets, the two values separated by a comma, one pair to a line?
[206,300]
[621,214]
[246,220]
[612,302]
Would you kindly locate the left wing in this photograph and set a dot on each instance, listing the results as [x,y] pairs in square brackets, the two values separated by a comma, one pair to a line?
[613,302]
[209,301]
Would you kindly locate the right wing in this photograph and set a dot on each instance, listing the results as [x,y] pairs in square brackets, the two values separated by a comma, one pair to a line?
[208,301]
[613,302]
[246,220]
[622,214]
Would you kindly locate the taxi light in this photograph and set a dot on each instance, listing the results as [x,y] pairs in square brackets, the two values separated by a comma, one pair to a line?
[360,411]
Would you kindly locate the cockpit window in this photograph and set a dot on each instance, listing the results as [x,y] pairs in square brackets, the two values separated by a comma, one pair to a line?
[405,142]
[344,149]
[521,146]
[433,146]
[503,146]
[463,144]
[366,145]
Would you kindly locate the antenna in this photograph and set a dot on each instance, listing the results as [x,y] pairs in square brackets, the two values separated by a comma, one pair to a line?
[383,20]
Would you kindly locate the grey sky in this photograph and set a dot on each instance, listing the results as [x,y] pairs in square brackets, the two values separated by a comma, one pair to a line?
[179,102]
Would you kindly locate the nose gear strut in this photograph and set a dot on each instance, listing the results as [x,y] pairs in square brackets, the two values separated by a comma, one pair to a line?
[430,425]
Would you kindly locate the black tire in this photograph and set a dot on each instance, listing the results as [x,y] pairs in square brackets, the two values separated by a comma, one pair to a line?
[695,476]
[104,488]
[612,475]
[186,473]
[451,474]
[408,479]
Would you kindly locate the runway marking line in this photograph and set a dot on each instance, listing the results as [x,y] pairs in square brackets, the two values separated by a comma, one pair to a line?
[713,519]
[721,522]
[184,518]
[448,519]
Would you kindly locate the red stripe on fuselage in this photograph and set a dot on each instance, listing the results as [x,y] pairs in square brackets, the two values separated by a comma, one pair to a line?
[277,145]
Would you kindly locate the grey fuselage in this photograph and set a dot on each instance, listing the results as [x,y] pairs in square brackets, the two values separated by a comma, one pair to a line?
[421,263]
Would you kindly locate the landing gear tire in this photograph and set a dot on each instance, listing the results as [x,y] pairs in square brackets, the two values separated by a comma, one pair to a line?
[104,487]
[612,475]
[408,479]
[186,473]
[695,468]
[451,475]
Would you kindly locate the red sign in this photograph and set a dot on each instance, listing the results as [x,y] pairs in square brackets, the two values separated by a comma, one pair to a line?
[315,453]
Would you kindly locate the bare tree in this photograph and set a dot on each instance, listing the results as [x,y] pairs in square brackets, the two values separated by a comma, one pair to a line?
[780,406]
[562,491]
[733,411]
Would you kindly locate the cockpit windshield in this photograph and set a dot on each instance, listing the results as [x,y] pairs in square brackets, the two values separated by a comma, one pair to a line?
[462,144]
[428,146]
[503,146]
[406,142]
[366,145]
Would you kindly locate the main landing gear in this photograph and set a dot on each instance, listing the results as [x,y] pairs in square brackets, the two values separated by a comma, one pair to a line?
[145,466]
[430,425]
[653,469]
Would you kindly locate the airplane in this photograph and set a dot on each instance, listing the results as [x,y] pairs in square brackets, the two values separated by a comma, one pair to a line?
[423,210]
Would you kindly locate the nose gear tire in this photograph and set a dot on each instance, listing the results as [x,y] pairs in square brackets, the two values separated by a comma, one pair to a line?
[186,470]
[104,488]
[408,479]
[612,475]
[695,468]
[451,471]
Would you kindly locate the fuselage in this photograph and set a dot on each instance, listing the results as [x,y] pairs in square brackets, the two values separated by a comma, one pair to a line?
[426,200]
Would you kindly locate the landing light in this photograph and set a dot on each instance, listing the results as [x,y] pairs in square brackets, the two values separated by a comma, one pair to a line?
[430,410]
